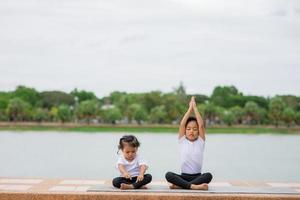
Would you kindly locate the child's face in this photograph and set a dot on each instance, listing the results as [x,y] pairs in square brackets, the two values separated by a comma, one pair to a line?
[192,131]
[129,152]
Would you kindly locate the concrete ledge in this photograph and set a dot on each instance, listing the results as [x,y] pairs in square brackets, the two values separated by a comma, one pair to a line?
[138,196]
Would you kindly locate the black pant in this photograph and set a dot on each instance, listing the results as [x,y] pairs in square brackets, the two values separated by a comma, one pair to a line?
[117,181]
[186,180]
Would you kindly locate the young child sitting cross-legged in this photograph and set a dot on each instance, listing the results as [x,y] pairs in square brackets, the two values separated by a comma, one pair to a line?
[191,141]
[131,166]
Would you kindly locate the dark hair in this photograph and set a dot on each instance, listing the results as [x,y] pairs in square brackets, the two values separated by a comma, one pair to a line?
[131,140]
[191,119]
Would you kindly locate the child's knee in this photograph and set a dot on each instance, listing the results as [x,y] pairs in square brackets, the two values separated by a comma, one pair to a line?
[209,176]
[169,176]
[148,177]
[116,183]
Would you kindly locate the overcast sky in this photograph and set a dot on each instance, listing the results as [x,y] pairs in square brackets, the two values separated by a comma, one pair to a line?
[145,45]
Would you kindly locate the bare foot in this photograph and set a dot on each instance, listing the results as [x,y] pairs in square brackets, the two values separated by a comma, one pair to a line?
[203,186]
[125,186]
[174,187]
[144,187]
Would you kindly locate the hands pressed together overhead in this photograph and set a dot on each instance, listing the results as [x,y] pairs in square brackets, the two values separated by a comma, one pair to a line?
[192,103]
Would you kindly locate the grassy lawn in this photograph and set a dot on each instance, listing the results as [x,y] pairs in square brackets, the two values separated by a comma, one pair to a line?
[142,128]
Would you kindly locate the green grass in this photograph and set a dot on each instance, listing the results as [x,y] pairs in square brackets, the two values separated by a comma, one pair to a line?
[143,129]
[251,130]
[92,129]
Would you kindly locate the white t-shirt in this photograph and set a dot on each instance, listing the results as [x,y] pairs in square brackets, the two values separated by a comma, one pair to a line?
[133,167]
[191,154]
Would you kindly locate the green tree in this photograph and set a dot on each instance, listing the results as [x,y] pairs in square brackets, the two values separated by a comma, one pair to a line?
[276,108]
[18,110]
[291,101]
[88,110]
[211,113]
[53,114]
[83,95]
[229,118]
[297,118]
[252,112]
[201,109]
[173,107]
[219,114]
[152,99]
[127,114]
[4,99]
[238,113]
[263,116]
[140,115]
[260,101]
[29,95]
[115,97]
[138,112]
[40,115]
[50,99]
[123,104]
[64,113]
[111,115]
[288,116]
[158,114]
[227,96]
[3,115]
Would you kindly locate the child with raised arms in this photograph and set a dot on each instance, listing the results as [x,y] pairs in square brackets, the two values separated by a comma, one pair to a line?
[131,165]
[191,140]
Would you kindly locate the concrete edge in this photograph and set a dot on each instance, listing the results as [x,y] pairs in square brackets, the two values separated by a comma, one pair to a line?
[136,196]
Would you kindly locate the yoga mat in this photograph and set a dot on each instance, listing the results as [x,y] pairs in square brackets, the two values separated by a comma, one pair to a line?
[212,189]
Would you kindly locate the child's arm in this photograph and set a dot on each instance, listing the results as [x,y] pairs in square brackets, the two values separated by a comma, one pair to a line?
[183,121]
[123,171]
[142,172]
[199,119]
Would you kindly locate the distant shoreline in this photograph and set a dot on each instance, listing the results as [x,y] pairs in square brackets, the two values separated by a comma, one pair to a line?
[158,128]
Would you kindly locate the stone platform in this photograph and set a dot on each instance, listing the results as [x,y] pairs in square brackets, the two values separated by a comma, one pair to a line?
[71,189]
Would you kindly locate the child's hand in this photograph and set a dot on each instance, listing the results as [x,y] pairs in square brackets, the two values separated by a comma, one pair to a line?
[140,177]
[127,175]
[193,102]
[190,104]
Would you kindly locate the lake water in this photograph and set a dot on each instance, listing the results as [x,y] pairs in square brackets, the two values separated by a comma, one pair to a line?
[265,157]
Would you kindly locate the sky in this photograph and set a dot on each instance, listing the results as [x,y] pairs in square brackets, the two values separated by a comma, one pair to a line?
[144,45]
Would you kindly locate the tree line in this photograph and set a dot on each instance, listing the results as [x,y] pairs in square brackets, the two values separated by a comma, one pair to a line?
[226,105]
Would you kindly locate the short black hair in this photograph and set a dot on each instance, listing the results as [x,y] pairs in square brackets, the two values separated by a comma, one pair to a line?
[131,140]
[191,119]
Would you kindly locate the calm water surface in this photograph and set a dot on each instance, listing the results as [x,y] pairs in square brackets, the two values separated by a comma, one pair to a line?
[266,157]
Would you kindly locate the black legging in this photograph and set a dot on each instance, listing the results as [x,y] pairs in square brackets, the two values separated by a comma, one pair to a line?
[117,181]
[186,180]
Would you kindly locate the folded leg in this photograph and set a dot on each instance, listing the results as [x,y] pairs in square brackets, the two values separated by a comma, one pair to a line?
[177,180]
[147,179]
